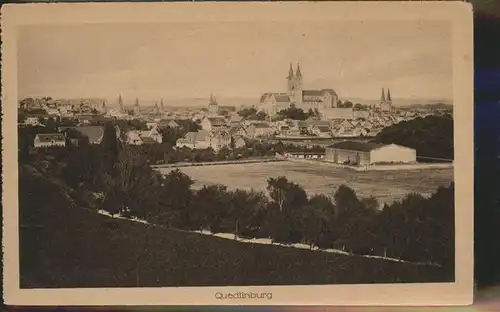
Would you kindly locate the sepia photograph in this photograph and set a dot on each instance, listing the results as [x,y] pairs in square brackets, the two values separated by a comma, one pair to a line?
[297,144]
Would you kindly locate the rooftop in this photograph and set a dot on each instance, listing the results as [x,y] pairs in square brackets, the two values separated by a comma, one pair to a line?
[51,137]
[356,146]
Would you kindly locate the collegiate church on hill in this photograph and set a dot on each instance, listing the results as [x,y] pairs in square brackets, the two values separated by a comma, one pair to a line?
[272,103]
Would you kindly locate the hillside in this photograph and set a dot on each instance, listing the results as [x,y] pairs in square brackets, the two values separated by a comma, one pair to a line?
[65,246]
[431,136]
[431,106]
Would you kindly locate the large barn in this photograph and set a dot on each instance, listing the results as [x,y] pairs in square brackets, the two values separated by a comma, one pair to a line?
[362,154]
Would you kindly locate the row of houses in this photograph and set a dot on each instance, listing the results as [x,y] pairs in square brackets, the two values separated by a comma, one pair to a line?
[95,135]
[311,127]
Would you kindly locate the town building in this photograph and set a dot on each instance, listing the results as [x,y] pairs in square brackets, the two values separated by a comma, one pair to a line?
[212,123]
[167,123]
[203,139]
[363,154]
[257,130]
[49,140]
[139,137]
[194,140]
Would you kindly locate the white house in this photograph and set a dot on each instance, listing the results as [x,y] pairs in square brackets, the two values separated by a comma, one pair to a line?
[212,123]
[49,140]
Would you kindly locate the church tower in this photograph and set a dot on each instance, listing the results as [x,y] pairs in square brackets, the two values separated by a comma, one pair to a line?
[298,86]
[389,100]
[157,109]
[382,98]
[213,105]
[137,108]
[120,103]
[290,81]
[104,107]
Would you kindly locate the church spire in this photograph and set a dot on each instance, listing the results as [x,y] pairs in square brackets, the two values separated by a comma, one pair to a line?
[136,102]
[157,108]
[120,102]
[290,72]
[298,74]
[382,98]
[389,96]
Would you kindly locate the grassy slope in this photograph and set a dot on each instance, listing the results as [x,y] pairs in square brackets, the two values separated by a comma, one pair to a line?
[62,246]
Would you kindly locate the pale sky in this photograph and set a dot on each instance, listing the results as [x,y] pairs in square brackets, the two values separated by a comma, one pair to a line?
[235,59]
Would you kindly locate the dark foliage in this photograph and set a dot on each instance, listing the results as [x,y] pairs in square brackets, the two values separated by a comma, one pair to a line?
[120,180]
[431,136]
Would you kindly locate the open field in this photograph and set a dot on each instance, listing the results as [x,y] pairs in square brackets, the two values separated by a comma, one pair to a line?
[61,246]
[386,186]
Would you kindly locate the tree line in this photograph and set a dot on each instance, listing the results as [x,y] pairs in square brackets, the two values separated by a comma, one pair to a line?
[118,179]
[431,136]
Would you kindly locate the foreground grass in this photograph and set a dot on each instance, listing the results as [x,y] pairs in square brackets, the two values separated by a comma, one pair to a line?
[64,246]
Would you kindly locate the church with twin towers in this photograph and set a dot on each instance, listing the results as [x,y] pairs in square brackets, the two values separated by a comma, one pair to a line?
[273,102]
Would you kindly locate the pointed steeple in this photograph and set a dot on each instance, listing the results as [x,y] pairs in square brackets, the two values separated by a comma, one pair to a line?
[382,98]
[290,72]
[389,96]
[213,100]
[136,102]
[298,74]
[120,102]
[157,108]
[161,105]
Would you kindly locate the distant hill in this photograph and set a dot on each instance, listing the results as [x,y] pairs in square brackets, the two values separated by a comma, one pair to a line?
[431,106]
[400,102]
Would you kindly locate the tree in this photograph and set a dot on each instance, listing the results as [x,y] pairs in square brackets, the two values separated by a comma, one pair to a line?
[290,199]
[171,135]
[247,112]
[175,200]
[245,207]
[293,113]
[431,136]
[317,220]
[212,203]
[261,116]
[110,148]
[358,107]
[346,201]
[287,195]
[370,203]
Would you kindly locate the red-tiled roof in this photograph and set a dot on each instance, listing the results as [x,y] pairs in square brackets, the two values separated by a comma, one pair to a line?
[216,121]
[312,93]
[323,128]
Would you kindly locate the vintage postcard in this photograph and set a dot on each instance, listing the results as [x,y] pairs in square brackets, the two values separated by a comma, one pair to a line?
[298,153]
